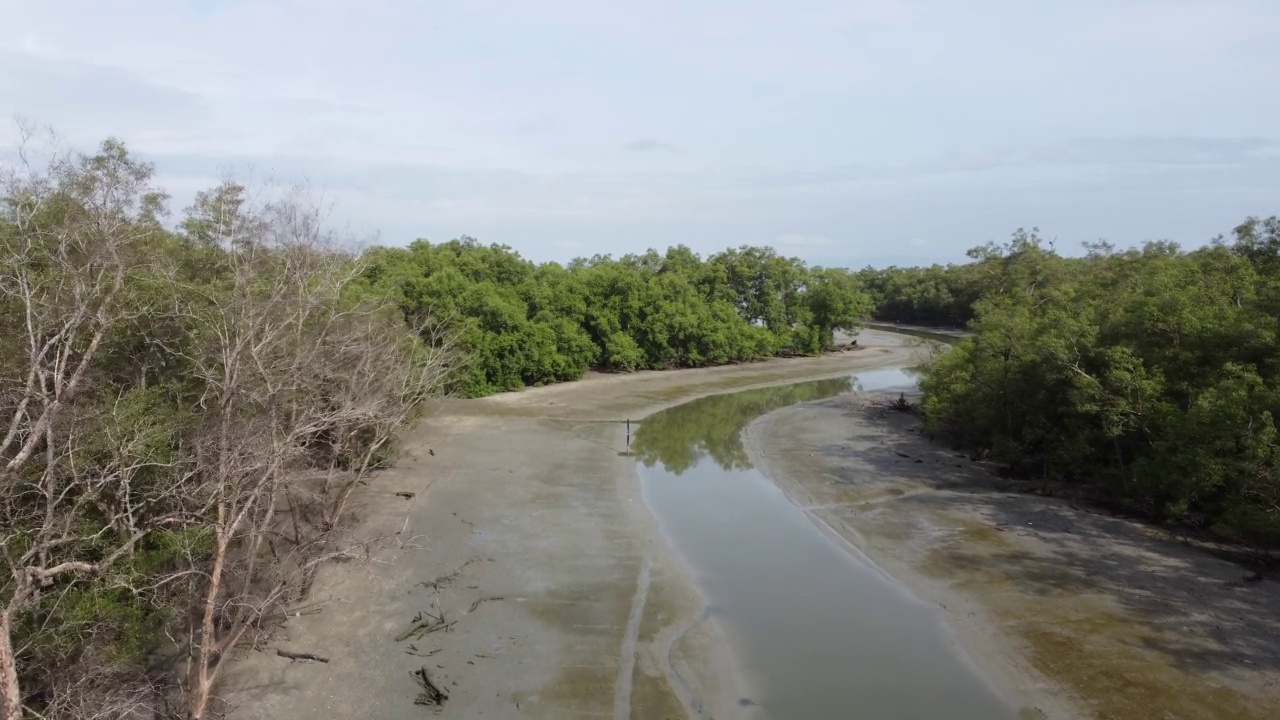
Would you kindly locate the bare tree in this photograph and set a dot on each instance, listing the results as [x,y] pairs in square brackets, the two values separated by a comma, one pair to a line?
[85,692]
[221,393]
[306,387]
[78,482]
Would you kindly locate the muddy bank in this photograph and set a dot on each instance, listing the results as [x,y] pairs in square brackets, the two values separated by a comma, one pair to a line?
[1071,612]
[524,575]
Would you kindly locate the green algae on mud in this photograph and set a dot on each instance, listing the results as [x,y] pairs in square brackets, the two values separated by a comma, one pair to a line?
[1087,643]
[662,686]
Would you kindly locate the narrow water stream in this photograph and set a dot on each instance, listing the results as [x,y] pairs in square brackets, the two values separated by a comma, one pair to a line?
[817,632]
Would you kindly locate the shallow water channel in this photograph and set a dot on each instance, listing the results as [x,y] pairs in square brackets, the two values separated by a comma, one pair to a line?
[816,631]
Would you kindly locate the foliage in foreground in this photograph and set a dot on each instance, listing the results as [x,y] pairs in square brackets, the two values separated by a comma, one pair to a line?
[183,417]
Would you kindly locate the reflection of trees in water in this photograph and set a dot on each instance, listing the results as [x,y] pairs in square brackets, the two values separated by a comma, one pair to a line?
[712,426]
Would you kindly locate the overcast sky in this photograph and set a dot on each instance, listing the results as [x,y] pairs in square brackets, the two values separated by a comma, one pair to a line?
[845,132]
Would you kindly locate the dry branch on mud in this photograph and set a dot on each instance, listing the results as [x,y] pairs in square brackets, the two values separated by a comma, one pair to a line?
[432,694]
[309,657]
[425,623]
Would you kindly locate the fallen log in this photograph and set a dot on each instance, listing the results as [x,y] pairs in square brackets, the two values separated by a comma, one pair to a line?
[301,656]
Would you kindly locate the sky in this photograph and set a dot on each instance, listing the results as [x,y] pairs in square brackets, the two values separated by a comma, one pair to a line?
[844,132]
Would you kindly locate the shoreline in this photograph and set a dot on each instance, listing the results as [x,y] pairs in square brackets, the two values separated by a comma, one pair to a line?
[527,530]
[1030,586]
[975,641]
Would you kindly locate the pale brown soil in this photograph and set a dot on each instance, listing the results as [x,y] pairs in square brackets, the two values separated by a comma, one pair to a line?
[532,499]
[566,603]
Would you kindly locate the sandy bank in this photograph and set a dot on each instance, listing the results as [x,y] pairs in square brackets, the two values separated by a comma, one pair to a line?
[527,533]
[1070,612]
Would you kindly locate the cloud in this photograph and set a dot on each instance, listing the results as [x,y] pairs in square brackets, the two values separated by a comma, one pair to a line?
[614,127]
[803,241]
[1050,162]
[91,98]
[649,145]
[1148,151]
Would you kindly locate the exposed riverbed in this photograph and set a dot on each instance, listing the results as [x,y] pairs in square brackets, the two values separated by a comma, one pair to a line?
[527,528]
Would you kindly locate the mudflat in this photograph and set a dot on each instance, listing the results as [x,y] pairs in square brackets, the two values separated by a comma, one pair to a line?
[519,573]
[524,575]
[1072,612]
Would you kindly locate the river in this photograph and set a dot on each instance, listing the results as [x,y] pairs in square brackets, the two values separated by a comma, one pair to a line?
[815,629]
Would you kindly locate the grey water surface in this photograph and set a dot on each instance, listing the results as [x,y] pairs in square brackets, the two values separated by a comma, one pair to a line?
[817,631]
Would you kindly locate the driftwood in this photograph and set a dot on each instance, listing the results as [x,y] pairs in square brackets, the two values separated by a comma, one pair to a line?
[479,601]
[406,495]
[301,656]
[424,627]
[424,623]
[432,694]
[446,580]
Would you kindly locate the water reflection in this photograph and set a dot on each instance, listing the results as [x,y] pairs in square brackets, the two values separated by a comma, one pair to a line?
[889,379]
[815,632]
[711,427]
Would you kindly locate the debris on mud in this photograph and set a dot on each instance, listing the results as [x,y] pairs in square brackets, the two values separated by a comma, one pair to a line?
[480,601]
[425,623]
[448,578]
[432,695]
[308,657]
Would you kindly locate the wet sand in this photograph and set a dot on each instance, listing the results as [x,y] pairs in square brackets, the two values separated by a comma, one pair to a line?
[1073,613]
[528,532]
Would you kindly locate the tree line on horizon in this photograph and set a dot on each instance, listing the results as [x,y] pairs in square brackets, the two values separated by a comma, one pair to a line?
[525,324]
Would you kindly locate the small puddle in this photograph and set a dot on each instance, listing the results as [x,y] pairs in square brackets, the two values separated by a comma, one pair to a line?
[817,632]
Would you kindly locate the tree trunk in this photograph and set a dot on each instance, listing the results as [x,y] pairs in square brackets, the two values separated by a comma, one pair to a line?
[202,675]
[10,693]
